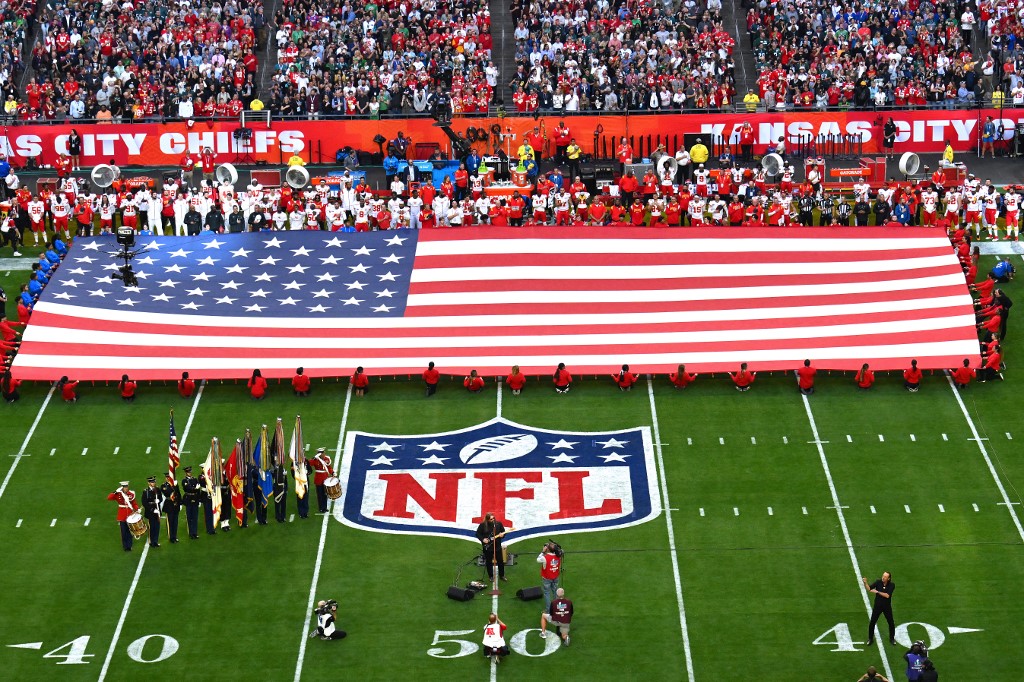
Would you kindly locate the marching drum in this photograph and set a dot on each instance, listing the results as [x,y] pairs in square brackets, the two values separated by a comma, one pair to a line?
[333,487]
[137,525]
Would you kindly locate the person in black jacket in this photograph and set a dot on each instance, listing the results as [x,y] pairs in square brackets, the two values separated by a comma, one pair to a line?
[889,137]
[257,221]
[193,222]
[215,221]
[843,211]
[236,220]
[862,212]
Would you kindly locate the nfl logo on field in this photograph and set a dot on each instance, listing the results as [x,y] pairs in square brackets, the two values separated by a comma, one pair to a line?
[539,482]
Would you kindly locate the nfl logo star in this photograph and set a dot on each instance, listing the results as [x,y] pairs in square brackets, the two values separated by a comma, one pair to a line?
[536,481]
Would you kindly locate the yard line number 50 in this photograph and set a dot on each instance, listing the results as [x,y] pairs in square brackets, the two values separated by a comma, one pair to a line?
[446,644]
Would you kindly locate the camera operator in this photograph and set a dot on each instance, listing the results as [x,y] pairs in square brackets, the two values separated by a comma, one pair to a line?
[326,618]
[550,558]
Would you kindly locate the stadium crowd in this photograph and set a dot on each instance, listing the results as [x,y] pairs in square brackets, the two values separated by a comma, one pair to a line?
[378,58]
[597,55]
[158,60]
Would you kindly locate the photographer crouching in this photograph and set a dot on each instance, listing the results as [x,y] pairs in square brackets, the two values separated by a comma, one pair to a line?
[326,621]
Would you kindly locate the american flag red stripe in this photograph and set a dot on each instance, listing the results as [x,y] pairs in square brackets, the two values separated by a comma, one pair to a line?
[173,458]
[489,298]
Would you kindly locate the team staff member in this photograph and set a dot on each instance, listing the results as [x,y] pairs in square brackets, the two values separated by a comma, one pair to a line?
[360,382]
[550,560]
[151,502]
[883,589]
[516,380]
[805,378]
[172,506]
[562,379]
[430,377]
[560,615]
[624,379]
[300,383]
[126,506]
[489,533]
[186,386]
[190,484]
[321,472]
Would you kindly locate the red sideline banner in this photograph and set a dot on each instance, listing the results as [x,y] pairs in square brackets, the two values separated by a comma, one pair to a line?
[153,144]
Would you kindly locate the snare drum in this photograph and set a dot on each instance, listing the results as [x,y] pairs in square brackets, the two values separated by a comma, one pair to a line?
[137,525]
[333,487]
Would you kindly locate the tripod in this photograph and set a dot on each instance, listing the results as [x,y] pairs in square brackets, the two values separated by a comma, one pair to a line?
[243,142]
[495,558]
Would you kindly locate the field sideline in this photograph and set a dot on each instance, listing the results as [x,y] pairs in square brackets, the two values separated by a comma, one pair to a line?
[774,506]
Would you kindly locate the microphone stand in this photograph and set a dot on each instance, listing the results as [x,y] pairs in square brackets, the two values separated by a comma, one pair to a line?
[494,567]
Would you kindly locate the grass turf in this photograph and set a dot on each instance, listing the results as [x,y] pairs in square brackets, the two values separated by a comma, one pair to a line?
[759,588]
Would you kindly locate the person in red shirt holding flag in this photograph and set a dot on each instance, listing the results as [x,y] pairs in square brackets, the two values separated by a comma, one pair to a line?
[865,377]
[9,387]
[128,388]
[126,506]
[322,470]
[805,378]
[516,380]
[360,382]
[474,383]
[430,377]
[67,389]
[300,383]
[993,365]
[681,378]
[962,376]
[257,385]
[624,379]
[186,386]
[743,378]
[562,379]
[912,377]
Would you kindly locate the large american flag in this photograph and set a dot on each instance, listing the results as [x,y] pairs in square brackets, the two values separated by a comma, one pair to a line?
[489,298]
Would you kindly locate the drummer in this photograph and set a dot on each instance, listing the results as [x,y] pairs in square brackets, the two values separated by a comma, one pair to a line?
[126,506]
[321,472]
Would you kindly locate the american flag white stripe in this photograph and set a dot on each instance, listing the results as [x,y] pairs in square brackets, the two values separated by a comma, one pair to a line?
[768,297]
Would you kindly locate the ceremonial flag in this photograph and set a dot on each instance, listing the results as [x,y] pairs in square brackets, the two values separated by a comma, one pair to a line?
[232,469]
[261,457]
[173,460]
[212,473]
[487,298]
[297,453]
[247,462]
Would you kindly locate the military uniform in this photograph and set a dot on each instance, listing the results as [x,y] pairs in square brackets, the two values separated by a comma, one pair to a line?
[280,492]
[152,500]
[191,498]
[126,506]
[302,503]
[207,501]
[321,472]
[261,502]
[225,501]
[172,507]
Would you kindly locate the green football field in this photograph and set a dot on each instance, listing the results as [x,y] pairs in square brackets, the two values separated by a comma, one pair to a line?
[775,505]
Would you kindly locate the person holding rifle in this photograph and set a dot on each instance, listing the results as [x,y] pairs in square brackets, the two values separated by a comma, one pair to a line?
[489,533]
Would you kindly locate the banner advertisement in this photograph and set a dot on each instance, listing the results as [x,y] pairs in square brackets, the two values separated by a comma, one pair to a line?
[316,141]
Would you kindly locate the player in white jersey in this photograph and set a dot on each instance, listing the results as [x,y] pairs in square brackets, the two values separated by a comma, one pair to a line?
[334,215]
[862,190]
[696,211]
[972,216]
[953,207]
[929,207]
[415,205]
[563,204]
[717,207]
[180,209]
[1011,200]
[60,209]
[483,208]
[37,217]
[441,205]
[991,214]
[296,219]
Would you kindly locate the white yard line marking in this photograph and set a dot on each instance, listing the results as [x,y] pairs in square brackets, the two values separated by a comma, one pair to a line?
[320,550]
[53,451]
[24,443]
[671,534]
[770,512]
[988,461]
[881,438]
[753,441]
[842,524]
[149,449]
[87,521]
[804,510]
[117,449]
[945,437]
[849,438]
[689,441]
[906,508]
[975,506]
[1008,436]
[18,524]
[721,441]
[84,451]
[913,438]
[872,509]
[702,511]
[53,523]
[498,391]
[291,518]
[145,553]
[735,511]
[785,440]
[942,510]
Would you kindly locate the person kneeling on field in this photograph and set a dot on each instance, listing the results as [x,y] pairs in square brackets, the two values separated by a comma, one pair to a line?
[624,379]
[494,639]
[326,615]
[474,383]
[559,614]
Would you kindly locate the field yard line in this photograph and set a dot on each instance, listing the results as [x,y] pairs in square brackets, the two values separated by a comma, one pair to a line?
[498,391]
[842,523]
[494,597]
[984,454]
[320,549]
[145,550]
[28,437]
[671,532]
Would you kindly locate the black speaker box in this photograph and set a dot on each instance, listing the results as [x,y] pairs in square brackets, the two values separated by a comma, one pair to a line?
[530,593]
[460,594]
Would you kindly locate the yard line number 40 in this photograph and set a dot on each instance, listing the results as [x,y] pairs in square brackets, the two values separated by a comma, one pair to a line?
[73,652]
